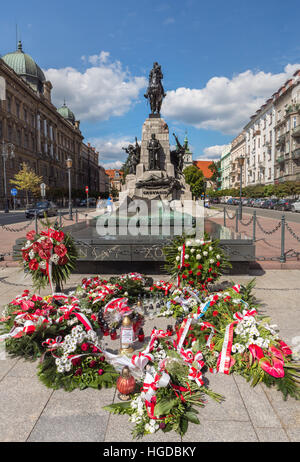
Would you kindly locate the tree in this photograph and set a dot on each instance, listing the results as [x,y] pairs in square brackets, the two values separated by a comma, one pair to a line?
[216,172]
[195,178]
[27,180]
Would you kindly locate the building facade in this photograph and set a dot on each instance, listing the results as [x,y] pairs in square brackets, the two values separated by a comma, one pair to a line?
[287,131]
[225,167]
[238,149]
[43,136]
[115,179]
[260,146]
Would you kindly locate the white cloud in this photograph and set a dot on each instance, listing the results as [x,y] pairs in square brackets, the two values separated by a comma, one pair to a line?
[103,90]
[212,152]
[111,154]
[224,104]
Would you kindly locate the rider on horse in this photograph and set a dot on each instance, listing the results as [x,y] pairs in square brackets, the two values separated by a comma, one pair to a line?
[155,92]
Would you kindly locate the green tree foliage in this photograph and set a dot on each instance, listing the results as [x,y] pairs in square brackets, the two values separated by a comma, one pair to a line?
[27,180]
[195,178]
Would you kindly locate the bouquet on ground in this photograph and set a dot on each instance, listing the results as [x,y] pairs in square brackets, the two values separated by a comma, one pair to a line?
[49,256]
[195,262]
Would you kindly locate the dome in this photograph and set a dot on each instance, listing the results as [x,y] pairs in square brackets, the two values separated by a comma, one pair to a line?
[25,67]
[65,112]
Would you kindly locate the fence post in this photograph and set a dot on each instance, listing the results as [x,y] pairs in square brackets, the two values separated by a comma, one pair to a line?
[76,216]
[282,256]
[36,222]
[224,212]
[236,221]
[254,226]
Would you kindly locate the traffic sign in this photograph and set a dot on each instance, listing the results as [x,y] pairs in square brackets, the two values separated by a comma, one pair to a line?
[13,191]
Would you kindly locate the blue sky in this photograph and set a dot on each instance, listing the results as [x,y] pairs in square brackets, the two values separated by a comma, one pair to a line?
[220,60]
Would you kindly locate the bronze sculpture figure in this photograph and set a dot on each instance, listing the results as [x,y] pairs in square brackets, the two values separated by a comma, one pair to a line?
[155,92]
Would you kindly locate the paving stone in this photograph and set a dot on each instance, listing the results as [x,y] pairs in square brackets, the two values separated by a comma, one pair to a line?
[124,428]
[287,411]
[6,365]
[24,368]
[79,402]
[21,402]
[271,435]
[232,408]
[294,434]
[228,431]
[260,411]
[70,428]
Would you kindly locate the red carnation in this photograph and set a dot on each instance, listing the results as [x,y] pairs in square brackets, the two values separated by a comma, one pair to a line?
[93,363]
[178,266]
[215,313]
[209,270]
[200,267]
[184,276]
[199,273]
[209,279]
[60,250]
[31,235]
[190,272]
[218,263]
[85,346]
[100,372]
[33,264]
[93,317]
[186,265]
[36,246]
[102,358]
[78,371]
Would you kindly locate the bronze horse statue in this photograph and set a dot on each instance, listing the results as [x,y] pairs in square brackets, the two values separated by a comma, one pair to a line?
[155,92]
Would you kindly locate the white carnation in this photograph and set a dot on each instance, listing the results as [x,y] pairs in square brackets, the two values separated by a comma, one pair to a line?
[205,253]
[177,258]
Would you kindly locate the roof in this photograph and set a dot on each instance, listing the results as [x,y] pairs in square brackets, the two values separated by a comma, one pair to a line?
[66,112]
[24,65]
[203,165]
[111,173]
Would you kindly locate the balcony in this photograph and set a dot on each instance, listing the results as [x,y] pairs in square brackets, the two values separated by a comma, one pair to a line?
[296,131]
[280,159]
[281,141]
[296,154]
[292,108]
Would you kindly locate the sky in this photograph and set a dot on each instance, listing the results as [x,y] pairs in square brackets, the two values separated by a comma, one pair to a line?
[220,61]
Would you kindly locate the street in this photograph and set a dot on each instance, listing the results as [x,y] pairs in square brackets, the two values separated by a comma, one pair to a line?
[266,213]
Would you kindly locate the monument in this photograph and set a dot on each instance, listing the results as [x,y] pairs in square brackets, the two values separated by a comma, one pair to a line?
[154,170]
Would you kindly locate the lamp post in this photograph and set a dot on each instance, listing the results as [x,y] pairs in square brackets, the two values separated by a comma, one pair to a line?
[5,155]
[69,166]
[241,160]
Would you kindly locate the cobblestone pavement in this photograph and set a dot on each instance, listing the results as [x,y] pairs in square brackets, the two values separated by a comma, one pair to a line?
[32,412]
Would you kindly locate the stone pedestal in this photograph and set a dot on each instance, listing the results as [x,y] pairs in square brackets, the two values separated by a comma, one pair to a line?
[153,183]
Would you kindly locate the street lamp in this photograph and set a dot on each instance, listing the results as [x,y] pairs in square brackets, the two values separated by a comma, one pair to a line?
[5,156]
[69,166]
[240,160]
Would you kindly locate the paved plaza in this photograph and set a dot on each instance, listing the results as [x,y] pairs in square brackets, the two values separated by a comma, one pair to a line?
[32,412]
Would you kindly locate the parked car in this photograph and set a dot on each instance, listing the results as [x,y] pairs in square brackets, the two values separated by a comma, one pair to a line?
[230,201]
[246,202]
[295,207]
[270,203]
[284,204]
[257,202]
[91,202]
[41,208]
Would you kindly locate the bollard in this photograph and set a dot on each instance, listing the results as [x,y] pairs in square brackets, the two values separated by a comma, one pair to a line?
[282,256]
[36,222]
[254,226]
[224,210]
[76,216]
[236,221]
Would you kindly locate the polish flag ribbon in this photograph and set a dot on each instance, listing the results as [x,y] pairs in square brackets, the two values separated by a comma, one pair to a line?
[225,355]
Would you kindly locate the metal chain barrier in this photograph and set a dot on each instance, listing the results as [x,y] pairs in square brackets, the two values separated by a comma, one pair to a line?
[292,232]
[248,223]
[230,218]
[268,232]
[13,230]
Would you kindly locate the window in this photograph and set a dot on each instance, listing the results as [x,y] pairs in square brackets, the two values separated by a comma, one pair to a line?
[18,109]
[19,137]
[294,121]
[9,133]
[8,103]
[0,128]
[25,115]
